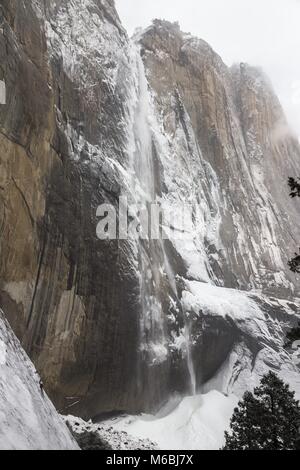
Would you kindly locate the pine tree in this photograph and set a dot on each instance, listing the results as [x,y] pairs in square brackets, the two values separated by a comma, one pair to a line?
[294,184]
[294,264]
[268,419]
[293,335]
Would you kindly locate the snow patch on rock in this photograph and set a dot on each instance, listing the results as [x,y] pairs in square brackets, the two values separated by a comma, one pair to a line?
[28,419]
[259,324]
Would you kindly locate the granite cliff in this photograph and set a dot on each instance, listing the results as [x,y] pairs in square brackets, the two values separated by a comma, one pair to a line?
[92,115]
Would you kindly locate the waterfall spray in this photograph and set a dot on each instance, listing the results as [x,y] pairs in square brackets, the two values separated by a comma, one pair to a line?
[153,340]
[190,363]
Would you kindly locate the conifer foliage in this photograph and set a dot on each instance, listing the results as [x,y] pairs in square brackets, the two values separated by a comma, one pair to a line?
[293,335]
[294,185]
[268,419]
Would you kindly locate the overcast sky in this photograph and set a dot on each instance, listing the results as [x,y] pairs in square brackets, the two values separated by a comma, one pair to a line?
[260,32]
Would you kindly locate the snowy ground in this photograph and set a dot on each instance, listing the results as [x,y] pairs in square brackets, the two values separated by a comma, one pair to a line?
[28,419]
[194,423]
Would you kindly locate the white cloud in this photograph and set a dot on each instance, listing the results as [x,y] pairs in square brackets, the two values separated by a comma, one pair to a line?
[261,32]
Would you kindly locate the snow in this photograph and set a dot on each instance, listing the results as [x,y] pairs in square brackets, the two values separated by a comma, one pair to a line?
[2,353]
[218,301]
[118,440]
[28,420]
[296,345]
[195,423]
[247,308]
[255,320]
[192,183]
[86,40]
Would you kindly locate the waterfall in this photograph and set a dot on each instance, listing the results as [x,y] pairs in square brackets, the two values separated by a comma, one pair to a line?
[143,155]
[190,362]
[154,263]
[153,338]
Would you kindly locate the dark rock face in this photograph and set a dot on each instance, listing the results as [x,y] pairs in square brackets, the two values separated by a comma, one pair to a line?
[75,301]
[67,294]
[27,126]
[90,441]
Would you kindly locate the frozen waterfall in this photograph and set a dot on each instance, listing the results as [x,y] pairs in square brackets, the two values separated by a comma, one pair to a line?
[155,267]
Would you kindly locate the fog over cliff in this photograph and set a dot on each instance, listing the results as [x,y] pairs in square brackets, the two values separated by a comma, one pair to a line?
[260,33]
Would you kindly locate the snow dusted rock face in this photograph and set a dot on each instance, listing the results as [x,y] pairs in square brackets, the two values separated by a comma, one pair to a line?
[229,150]
[246,328]
[90,116]
[224,148]
[28,419]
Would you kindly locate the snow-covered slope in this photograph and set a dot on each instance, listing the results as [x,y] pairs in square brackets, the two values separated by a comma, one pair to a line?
[28,419]
[196,422]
